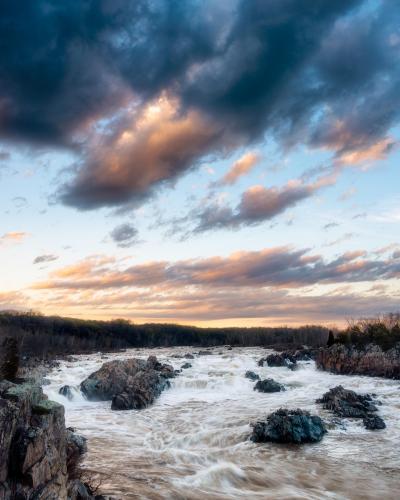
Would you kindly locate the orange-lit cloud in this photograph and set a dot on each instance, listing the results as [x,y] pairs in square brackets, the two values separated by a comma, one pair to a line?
[12,237]
[241,167]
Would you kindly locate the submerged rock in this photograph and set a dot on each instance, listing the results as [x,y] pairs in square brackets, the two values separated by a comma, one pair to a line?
[66,391]
[347,403]
[268,385]
[185,366]
[373,422]
[289,426]
[251,375]
[129,384]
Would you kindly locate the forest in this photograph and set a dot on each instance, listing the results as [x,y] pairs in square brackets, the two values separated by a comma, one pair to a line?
[46,336]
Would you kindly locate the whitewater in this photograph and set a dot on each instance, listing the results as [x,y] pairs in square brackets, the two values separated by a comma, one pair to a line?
[193,443]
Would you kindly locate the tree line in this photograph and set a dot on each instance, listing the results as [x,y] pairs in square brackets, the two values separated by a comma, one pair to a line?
[46,336]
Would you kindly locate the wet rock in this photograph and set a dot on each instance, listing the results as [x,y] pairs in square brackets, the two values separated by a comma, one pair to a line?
[186,366]
[279,359]
[66,391]
[204,353]
[188,356]
[268,385]
[289,426]
[129,384]
[373,422]
[251,375]
[347,403]
[368,360]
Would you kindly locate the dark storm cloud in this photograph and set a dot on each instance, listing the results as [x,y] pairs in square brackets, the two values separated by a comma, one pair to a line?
[232,71]
[125,235]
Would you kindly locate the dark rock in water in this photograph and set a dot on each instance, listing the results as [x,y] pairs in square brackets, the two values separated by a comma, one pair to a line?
[367,360]
[141,391]
[373,422]
[188,356]
[204,353]
[186,366]
[66,391]
[346,403]
[289,426]
[281,359]
[268,385]
[251,375]
[130,384]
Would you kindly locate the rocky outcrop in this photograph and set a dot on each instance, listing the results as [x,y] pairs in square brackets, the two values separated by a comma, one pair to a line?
[34,450]
[251,375]
[289,426]
[129,384]
[348,404]
[268,385]
[368,360]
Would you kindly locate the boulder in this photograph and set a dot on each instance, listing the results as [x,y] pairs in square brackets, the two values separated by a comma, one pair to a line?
[268,385]
[129,384]
[66,391]
[289,426]
[373,422]
[140,392]
[251,375]
[188,356]
[186,366]
[204,353]
[347,403]
[279,359]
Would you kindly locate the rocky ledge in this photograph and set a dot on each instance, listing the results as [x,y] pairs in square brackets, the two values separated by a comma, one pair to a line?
[289,426]
[348,404]
[368,360]
[38,455]
[129,384]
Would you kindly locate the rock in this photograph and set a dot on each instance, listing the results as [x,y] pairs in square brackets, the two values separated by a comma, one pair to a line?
[368,360]
[141,391]
[251,375]
[188,356]
[204,353]
[346,403]
[66,391]
[186,366]
[279,359]
[35,446]
[289,426]
[268,385]
[373,422]
[129,384]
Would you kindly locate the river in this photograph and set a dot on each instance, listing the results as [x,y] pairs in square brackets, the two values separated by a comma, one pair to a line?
[193,442]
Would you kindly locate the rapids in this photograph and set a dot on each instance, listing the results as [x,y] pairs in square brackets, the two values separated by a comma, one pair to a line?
[193,442]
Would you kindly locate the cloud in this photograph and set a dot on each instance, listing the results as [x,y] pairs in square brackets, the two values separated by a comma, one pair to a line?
[257,205]
[137,154]
[12,237]
[44,259]
[125,235]
[274,284]
[325,74]
[4,155]
[330,225]
[276,267]
[241,167]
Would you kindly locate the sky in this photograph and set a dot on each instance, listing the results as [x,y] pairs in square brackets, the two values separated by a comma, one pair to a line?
[206,162]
